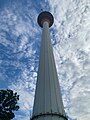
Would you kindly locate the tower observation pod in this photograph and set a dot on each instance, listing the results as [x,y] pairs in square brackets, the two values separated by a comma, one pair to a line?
[48,103]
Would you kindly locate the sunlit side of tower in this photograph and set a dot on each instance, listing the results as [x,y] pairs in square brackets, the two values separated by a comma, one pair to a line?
[48,103]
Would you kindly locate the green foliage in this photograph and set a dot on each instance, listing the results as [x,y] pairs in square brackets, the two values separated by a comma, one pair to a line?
[8,104]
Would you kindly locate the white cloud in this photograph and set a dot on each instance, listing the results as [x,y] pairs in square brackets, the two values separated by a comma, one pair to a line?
[72,54]
[18,35]
[25,99]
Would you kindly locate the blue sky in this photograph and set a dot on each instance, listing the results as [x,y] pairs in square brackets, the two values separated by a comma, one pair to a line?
[20,38]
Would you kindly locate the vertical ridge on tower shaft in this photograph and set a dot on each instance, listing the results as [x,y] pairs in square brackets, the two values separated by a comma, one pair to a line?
[48,103]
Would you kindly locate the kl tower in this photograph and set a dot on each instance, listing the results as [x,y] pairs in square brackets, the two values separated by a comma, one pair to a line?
[48,103]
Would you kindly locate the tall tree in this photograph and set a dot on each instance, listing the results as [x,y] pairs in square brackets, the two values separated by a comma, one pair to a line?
[8,104]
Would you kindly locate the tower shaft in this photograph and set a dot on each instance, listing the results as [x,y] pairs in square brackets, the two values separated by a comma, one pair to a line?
[48,103]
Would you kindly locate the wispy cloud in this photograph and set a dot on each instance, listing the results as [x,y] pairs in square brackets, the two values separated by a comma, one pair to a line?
[72,54]
[17,51]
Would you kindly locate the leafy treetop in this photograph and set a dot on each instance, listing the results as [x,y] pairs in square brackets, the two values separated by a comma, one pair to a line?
[8,104]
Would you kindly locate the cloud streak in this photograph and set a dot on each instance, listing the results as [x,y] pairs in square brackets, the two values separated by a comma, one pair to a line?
[72,54]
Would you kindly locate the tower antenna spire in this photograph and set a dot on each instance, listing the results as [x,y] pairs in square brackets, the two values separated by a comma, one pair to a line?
[48,103]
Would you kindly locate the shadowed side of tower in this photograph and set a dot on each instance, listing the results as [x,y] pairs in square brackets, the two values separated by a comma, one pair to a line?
[48,103]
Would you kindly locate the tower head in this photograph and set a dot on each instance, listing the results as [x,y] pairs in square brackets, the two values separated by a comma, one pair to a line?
[45,17]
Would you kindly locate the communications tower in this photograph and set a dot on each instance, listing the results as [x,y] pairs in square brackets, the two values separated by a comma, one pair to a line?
[48,103]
